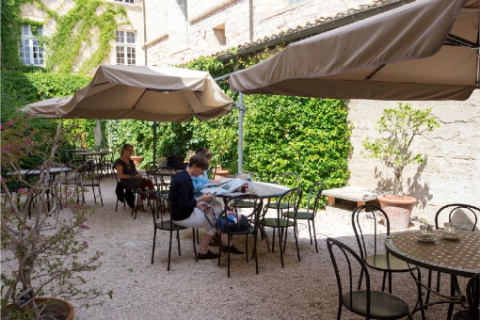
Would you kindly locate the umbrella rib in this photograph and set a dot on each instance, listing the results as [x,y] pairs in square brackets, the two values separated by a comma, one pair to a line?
[101,84]
[140,98]
[370,76]
[454,40]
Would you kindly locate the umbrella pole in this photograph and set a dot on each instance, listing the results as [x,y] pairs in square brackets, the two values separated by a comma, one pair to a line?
[155,126]
[241,111]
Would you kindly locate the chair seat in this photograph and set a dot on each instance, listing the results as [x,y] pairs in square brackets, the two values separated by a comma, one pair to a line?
[275,205]
[275,223]
[383,305]
[379,262]
[250,230]
[165,225]
[462,315]
[301,215]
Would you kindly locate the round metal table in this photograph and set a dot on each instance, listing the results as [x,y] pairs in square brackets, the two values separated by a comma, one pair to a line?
[461,258]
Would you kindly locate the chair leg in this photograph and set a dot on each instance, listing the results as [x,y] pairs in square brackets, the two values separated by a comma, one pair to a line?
[315,236]
[384,280]
[153,247]
[360,279]
[280,235]
[169,249]
[285,238]
[246,247]
[194,246]
[100,193]
[298,249]
[273,239]
[309,232]
[429,286]
[116,206]
[390,283]
[255,251]
[94,196]
[228,255]
[178,242]
[339,312]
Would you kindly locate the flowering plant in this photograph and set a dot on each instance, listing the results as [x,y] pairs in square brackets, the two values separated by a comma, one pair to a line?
[40,225]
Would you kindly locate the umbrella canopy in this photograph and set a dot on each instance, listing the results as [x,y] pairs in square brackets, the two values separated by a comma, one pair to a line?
[163,94]
[425,50]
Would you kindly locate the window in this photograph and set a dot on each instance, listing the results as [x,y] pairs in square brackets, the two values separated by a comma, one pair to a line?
[126,1]
[125,49]
[31,52]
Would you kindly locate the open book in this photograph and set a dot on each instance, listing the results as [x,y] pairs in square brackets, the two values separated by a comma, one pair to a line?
[228,187]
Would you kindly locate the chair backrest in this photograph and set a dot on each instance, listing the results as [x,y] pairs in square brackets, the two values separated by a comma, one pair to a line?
[465,216]
[314,197]
[473,296]
[162,206]
[254,216]
[343,257]
[289,179]
[372,215]
[289,202]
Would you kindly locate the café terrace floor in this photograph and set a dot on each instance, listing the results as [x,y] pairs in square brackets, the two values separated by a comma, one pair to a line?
[201,290]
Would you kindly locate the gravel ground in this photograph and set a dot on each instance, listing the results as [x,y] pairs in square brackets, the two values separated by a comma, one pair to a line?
[201,290]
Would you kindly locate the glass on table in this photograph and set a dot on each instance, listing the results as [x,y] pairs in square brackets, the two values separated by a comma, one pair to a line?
[426,230]
[449,228]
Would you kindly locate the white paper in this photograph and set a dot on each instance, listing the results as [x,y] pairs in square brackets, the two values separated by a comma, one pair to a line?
[230,186]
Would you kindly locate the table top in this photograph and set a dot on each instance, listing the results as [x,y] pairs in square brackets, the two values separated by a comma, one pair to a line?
[460,257]
[36,172]
[168,172]
[263,189]
[94,153]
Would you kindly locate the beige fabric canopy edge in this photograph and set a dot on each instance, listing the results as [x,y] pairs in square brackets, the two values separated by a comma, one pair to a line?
[403,54]
[163,94]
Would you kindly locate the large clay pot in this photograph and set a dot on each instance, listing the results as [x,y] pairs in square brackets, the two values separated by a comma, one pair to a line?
[398,210]
[137,160]
[57,309]
[222,173]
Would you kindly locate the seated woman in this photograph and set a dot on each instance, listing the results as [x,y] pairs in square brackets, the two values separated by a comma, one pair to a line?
[129,175]
[191,213]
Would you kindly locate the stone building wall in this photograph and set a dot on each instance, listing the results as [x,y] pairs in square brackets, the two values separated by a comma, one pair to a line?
[218,25]
[451,173]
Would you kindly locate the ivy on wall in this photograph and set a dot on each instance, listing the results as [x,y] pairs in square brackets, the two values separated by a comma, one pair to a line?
[90,23]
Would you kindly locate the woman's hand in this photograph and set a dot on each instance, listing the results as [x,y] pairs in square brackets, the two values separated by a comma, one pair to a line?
[206,197]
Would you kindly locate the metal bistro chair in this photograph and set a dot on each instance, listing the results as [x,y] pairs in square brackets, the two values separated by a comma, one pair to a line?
[453,210]
[288,179]
[89,177]
[253,230]
[366,303]
[162,203]
[373,258]
[473,299]
[291,201]
[314,196]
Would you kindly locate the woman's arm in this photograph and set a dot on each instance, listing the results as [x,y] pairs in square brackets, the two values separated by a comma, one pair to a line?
[122,175]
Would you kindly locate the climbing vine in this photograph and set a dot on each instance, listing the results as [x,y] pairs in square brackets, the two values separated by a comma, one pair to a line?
[89,26]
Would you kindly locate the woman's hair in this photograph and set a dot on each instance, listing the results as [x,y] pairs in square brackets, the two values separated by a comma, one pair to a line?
[205,152]
[125,147]
[200,161]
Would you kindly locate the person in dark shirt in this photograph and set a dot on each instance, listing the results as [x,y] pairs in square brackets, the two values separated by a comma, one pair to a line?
[191,213]
[129,175]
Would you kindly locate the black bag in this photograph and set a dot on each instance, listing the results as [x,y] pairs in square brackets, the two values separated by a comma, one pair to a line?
[119,192]
[130,197]
[125,194]
[236,223]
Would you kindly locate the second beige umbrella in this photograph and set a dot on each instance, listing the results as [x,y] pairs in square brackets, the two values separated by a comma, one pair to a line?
[162,94]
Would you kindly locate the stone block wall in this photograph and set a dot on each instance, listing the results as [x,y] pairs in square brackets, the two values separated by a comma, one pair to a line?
[451,173]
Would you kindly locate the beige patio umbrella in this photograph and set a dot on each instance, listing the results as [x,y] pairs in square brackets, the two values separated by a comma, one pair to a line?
[425,50]
[164,94]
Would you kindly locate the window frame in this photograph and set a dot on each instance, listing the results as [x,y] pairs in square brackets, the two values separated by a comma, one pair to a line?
[125,45]
[31,38]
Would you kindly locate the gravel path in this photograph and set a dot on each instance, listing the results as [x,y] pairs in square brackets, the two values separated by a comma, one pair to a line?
[201,290]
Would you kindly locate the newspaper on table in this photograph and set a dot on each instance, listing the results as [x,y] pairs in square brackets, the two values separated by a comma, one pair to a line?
[230,186]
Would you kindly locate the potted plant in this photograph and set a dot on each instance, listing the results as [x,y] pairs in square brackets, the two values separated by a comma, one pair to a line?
[220,141]
[42,257]
[398,127]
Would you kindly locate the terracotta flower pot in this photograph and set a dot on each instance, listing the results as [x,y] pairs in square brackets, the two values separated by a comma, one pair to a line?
[222,173]
[56,309]
[398,210]
[136,159]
